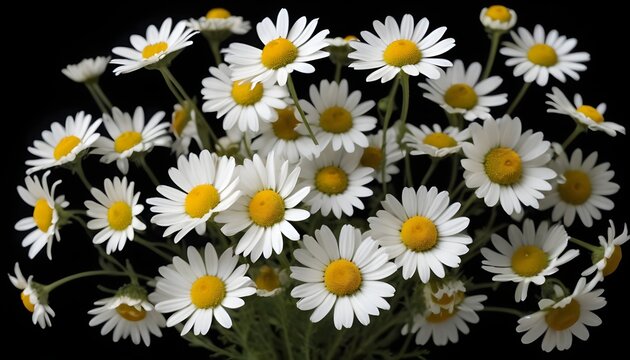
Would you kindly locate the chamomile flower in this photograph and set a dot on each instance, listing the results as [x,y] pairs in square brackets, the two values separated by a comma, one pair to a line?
[421,233]
[197,291]
[341,41]
[505,165]
[87,70]
[184,128]
[270,280]
[372,155]
[219,23]
[346,275]
[460,91]
[339,48]
[435,142]
[529,256]
[406,49]
[266,207]
[443,295]
[45,218]
[608,256]
[206,185]
[498,18]
[63,144]
[285,50]
[32,298]
[536,56]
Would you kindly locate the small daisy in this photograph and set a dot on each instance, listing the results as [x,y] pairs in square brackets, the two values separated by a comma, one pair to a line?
[435,142]
[88,70]
[498,18]
[284,51]
[206,186]
[199,290]
[45,218]
[507,166]
[459,91]
[130,136]
[115,213]
[560,320]
[530,256]
[537,56]
[346,275]
[184,129]
[608,256]
[270,281]
[338,118]
[443,295]
[337,181]
[421,233]
[395,49]
[32,298]
[244,104]
[582,189]
[267,205]
[372,155]
[219,23]
[339,48]
[157,49]
[583,114]
[63,145]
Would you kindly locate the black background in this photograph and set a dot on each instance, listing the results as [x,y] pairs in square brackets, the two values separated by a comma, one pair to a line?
[54,34]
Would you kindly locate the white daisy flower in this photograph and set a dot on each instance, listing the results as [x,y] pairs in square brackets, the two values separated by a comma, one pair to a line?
[338,118]
[459,91]
[337,181]
[346,275]
[184,129]
[63,144]
[158,45]
[395,49]
[267,205]
[435,142]
[582,188]
[270,280]
[284,51]
[536,56]
[608,256]
[87,70]
[372,155]
[31,299]
[199,290]
[587,115]
[443,295]
[561,320]
[45,217]
[498,18]
[116,213]
[421,233]
[505,165]
[530,256]
[341,41]
[241,102]
[207,185]
[219,20]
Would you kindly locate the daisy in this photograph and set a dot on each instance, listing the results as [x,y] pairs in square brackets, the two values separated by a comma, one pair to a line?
[459,91]
[346,275]
[266,207]
[582,189]
[421,233]
[337,180]
[406,49]
[284,51]
[443,295]
[184,128]
[206,186]
[537,55]
[589,116]
[435,142]
[608,256]
[505,165]
[45,218]
[199,290]
[270,281]
[530,256]
[88,70]
[244,104]
[63,144]
[372,155]
[157,49]
[341,41]
[339,48]
[115,213]
[33,300]
[219,23]
[560,320]
[498,18]
[338,118]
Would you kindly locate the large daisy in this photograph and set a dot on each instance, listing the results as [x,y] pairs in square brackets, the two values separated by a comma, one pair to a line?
[607,257]
[372,156]
[87,70]
[31,299]
[434,141]
[184,128]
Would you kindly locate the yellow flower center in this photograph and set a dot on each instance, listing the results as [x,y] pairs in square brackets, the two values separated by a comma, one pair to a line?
[461,96]
[442,316]
[207,291]
[27,302]
[154,49]
[278,53]
[244,95]
[543,55]
[218,13]
[130,313]
[613,262]
[42,215]
[499,13]
[336,120]
[267,278]
[419,233]
[119,215]
[127,140]
[577,188]
[449,299]
[503,166]
[563,318]
[591,113]
[372,157]
[439,140]
[266,208]
[342,277]
[350,38]
[65,145]
[331,180]
[200,200]
[402,52]
[529,260]
[284,127]
[180,120]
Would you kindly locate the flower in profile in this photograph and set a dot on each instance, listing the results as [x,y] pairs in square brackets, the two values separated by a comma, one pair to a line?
[443,295]
[184,129]
[219,24]
[158,48]
[607,257]
[346,275]
[63,144]
[536,56]
[34,299]
[339,48]
[372,155]
[341,41]
[498,18]
[87,70]
[285,50]
[435,142]
[406,48]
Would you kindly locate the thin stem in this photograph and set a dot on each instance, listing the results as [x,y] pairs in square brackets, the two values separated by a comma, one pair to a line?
[388,114]
[172,88]
[78,169]
[97,99]
[307,340]
[518,98]
[503,310]
[408,177]
[577,131]
[143,164]
[481,286]
[335,345]
[427,175]
[471,199]
[150,246]
[296,102]
[338,67]
[216,53]
[204,342]
[494,45]
[285,326]
[52,286]
[404,81]
[247,142]
[454,163]
[458,188]
[584,244]
[101,94]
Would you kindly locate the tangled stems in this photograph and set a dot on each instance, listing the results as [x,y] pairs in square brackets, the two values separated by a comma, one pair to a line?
[101,106]
[388,114]
[297,105]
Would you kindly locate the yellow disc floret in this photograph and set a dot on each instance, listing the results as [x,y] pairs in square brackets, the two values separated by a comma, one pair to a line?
[503,166]
[284,127]
[591,113]
[372,157]
[127,140]
[278,53]
[267,278]
[207,291]
[336,120]
[65,145]
[418,234]
[130,313]
[563,318]
[331,180]
[577,188]
[266,208]
[119,215]
[27,302]
[499,13]
[543,55]
[218,13]
[529,260]
[613,262]
[42,215]
[154,49]
[200,200]
[439,140]
[342,277]
[402,52]
[442,316]
[244,95]
[461,96]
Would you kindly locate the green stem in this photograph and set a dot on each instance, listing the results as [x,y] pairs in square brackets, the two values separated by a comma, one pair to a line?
[518,98]
[471,200]
[204,342]
[97,99]
[388,115]
[307,340]
[247,142]
[404,81]
[338,67]
[52,286]
[335,345]
[494,45]
[78,169]
[481,286]
[216,53]
[146,243]
[432,167]
[454,163]
[584,244]
[577,131]
[503,310]
[408,177]
[143,164]
[101,94]
[285,326]
[458,188]
[296,102]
